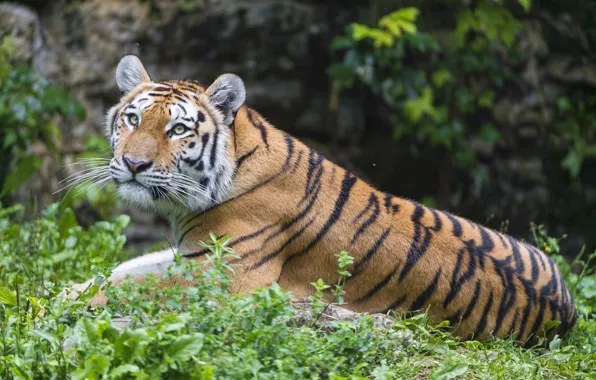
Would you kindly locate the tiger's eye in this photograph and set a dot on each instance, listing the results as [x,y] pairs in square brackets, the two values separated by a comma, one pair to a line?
[179,129]
[133,119]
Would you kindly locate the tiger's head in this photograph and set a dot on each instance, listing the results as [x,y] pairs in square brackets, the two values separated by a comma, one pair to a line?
[171,140]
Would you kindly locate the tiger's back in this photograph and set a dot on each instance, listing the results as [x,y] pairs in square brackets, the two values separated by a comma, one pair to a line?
[289,211]
[408,257]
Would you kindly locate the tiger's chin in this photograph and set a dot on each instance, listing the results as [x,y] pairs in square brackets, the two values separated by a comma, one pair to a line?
[160,201]
[136,194]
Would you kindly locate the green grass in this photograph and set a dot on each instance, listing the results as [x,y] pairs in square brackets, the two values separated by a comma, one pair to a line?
[219,335]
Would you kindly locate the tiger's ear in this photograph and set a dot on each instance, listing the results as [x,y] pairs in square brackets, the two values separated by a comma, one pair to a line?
[227,94]
[130,73]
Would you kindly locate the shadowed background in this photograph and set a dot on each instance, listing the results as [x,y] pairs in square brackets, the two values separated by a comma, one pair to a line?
[483,108]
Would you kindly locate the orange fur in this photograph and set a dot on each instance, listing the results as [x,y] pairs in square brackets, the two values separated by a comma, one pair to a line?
[289,211]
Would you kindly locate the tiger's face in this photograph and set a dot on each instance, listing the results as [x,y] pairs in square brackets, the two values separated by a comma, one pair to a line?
[171,140]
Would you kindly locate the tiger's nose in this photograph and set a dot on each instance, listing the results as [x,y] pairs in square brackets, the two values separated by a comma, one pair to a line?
[135,166]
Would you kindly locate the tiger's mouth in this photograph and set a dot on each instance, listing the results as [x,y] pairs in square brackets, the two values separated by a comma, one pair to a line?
[133,189]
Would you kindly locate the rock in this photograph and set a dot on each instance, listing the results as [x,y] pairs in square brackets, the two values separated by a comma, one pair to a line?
[304,315]
[21,25]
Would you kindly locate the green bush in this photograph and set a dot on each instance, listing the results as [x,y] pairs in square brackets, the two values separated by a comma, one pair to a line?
[29,106]
[439,89]
[205,332]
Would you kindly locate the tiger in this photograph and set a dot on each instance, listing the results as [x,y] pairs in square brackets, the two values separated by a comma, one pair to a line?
[211,164]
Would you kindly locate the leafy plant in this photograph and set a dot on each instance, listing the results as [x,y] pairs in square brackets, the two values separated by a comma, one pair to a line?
[200,330]
[576,127]
[29,106]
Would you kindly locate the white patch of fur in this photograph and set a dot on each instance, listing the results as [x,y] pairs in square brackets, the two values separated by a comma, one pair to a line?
[155,262]
[136,194]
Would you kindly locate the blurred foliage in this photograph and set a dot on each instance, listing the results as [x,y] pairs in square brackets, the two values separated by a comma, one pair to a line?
[576,128]
[442,92]
[29,107]
[96,191]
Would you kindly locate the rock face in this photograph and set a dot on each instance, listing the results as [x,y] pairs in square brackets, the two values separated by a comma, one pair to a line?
[278,48]
[281,50]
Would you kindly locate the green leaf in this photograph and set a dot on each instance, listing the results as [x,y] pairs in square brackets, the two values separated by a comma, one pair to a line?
[185,347]
[418,107]
[360,32]
[449,371]
[486,100]
[526,4]
[409,13]
[440,77]
[489,133]
[124,369]
[402,20]
[22,171]
[573,162]
[7,296]
[67,221]
[50,337]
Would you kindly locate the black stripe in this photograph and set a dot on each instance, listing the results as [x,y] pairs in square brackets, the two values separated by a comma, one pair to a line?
[113,122]
[235,241]
[390,208]
[241,159]
[162,88]
[519,264]
[417,249]
[259,125]
[502,239]
[371,252]
[509,295]
[534,252]
[381,284]
[457,283]
[298,217]
[367,223]
[214,148]
[183,100]
[315,161]
[514,325]
[539,317]
[275,253]
[473,301]
[297,163]
[483,319]
[457,229]
[178,92]
[395,304]
[485,247]
[530,303]
[290,145]
[427,293]
[533,264]
[372,199]
[193,162]
[183,235]
[155,94]
[344,194]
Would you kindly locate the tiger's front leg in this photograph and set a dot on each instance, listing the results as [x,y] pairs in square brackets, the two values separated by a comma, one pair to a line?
[156,263]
